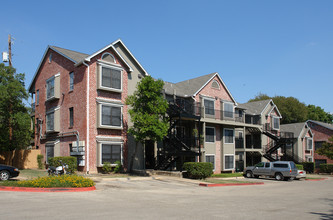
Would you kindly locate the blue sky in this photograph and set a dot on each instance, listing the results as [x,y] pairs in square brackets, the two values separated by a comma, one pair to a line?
[273,47]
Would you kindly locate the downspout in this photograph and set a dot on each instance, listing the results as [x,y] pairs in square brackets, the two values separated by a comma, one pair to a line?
[87,107]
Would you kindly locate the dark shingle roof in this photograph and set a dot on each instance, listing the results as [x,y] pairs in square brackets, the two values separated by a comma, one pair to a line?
[326,125]
[75,56]
[187,87]
[296,128]
[255,108]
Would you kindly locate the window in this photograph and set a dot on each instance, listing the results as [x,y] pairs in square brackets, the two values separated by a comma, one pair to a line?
[215,85]
[37,97]
[261,164]
[280,165]
[267,165]
[309,159]
[318,144]
[276,123]
[71,81]
[50,88]
[209,107]
[110,115]
[229,162]
[49,151]
[108,57]
[309,143]
[228,136]
[210,134]
[71,117]
[50,121]
[110,77]
[228,110]
[211,159]
[111,153]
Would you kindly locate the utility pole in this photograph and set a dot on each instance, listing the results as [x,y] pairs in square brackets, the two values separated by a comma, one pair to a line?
[10,49]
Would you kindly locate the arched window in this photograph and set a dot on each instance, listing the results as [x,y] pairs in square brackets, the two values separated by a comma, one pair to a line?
[108,57]
[215,85]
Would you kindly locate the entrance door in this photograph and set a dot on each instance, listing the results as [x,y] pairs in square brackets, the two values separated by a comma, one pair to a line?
[149,155]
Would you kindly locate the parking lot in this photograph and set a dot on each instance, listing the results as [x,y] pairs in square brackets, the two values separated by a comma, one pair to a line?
[173,198]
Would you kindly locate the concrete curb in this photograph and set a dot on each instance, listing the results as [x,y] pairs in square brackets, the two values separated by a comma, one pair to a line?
[316,179]
[229,184]
[30,189]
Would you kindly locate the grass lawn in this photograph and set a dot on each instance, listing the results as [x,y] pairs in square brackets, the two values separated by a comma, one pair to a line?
[226,175]
[219,181]
[31,174]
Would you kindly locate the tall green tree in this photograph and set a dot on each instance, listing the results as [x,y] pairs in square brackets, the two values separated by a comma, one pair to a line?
[148,111]
[291,109]
[318,114]
[327,149]
[13,112]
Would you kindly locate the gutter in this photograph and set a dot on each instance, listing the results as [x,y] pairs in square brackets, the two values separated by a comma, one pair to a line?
[87,107]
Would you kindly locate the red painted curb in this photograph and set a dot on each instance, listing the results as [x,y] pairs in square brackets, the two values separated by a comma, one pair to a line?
[316,179]
[30,189]
[228,184]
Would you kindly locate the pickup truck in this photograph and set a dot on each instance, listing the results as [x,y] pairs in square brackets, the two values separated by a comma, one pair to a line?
[280,170]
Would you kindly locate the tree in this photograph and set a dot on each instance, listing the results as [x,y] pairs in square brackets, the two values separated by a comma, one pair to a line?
[13,112]
[148,110]
[318,114]
[327,149]
[291,109]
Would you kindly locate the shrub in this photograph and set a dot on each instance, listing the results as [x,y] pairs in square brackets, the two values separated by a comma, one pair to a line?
[40,158]
[118,168]
[70,161]
[299,166]
[107,168]
[326,168]
[64,181]
[198,170]
[309,167]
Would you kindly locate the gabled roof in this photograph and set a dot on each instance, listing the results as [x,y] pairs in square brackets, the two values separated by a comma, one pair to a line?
[323,124]
[192,87]
[78,58]
[295,128]
[258,107]
[70,54]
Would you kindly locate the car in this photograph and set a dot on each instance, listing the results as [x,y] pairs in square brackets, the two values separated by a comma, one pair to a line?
[300,174]
[7,172]
[280,170]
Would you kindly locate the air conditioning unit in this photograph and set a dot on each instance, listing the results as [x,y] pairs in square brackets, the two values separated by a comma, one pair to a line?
[5,57]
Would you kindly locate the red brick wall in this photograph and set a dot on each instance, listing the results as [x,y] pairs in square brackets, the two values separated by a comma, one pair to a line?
[75,99]
[320,134]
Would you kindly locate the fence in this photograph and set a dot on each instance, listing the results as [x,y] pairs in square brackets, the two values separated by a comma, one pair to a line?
[22,159]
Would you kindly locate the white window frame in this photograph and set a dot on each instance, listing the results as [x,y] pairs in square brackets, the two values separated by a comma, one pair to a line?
[71,81]
[233,138]
[206,134]
[209,99]
[214,167]
[37,97]
[307,143]
[103,64]
[233,163]
[100,105]
[233,109]
[47,121]
[218,85]
[107,53]
[100,143]
[309,159]
[48,146]
[273,124]
[47,87]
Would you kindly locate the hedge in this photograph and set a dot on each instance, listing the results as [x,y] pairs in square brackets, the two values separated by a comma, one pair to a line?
[70,161]
[198,170]
[326,168]
[309,167]
[299,166]
[40,158]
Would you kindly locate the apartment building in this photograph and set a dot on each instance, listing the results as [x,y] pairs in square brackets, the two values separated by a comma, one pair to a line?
[78,104]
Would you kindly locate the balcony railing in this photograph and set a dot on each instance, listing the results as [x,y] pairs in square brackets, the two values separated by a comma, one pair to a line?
[221,115]
[239,143]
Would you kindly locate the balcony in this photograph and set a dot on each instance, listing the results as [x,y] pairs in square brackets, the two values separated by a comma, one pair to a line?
[33,108]
[239,143]
[221,115]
